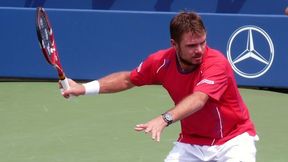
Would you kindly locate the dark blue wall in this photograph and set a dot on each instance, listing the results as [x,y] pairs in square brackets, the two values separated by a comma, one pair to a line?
[210,6]
[93,43]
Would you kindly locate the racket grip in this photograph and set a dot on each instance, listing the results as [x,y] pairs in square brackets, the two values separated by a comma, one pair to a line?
[65,84]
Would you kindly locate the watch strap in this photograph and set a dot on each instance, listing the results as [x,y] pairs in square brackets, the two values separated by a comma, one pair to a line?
[167,117]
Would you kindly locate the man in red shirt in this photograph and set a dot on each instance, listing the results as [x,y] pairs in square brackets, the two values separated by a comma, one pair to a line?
[215,122]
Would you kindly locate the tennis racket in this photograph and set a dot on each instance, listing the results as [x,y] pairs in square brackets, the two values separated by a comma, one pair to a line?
[48,44]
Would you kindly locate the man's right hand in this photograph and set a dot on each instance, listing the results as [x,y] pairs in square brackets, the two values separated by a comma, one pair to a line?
[75,89]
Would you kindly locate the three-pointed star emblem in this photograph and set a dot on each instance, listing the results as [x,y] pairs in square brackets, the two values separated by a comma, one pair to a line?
[250,52]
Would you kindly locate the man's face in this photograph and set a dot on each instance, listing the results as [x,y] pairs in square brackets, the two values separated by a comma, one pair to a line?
[191,49]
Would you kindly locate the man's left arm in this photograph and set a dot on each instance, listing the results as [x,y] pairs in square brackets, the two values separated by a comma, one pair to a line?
[184,108]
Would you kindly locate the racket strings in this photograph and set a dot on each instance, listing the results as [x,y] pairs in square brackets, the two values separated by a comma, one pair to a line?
[45,34]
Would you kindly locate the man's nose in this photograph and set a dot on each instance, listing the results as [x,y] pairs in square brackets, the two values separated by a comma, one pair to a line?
[198,48]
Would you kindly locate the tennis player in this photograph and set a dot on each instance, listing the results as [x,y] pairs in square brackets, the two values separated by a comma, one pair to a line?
[215,122]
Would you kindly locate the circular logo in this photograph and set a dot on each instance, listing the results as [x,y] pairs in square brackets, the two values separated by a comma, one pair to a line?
[250,51]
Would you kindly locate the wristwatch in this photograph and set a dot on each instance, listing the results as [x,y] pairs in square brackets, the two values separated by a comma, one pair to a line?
[167,117]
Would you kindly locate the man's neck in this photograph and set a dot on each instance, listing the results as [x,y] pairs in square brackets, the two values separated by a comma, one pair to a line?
[184,67]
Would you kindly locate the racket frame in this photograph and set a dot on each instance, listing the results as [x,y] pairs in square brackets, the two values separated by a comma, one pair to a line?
[50,52]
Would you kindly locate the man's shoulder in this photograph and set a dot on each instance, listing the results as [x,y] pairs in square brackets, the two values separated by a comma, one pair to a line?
[215,57]
[214,53]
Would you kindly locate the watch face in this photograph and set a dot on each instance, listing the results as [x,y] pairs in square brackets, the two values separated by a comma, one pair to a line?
[168,117]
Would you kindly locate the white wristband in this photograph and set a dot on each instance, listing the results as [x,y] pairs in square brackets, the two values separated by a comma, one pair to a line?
[92,88]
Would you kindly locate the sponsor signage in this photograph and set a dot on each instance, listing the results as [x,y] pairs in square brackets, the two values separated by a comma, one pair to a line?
[255,45]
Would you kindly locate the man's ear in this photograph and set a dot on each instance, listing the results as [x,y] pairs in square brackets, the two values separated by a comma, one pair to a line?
[173,43]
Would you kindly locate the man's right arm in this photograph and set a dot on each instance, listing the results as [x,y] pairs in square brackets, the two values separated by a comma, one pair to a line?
[112,83]
[115,82]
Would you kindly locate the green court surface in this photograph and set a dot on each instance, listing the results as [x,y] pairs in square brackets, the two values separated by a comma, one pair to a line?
[38,125]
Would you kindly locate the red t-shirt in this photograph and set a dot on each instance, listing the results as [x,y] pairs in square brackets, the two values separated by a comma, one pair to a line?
[224,115]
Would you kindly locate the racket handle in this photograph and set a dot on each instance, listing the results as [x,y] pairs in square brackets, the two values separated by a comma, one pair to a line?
[65,84]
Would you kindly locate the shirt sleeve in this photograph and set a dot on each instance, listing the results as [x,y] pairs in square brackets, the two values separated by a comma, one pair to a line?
[144,74]
[214,81]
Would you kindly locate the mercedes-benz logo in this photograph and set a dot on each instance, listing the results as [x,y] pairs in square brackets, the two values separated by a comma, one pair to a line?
[250,51]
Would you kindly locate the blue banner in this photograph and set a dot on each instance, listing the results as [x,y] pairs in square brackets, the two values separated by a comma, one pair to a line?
[93,43]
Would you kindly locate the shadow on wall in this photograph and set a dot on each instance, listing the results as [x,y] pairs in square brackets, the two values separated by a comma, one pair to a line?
[102,4]
[214,6]
[161,5]
[229,6]
[34,3]
[223,6]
